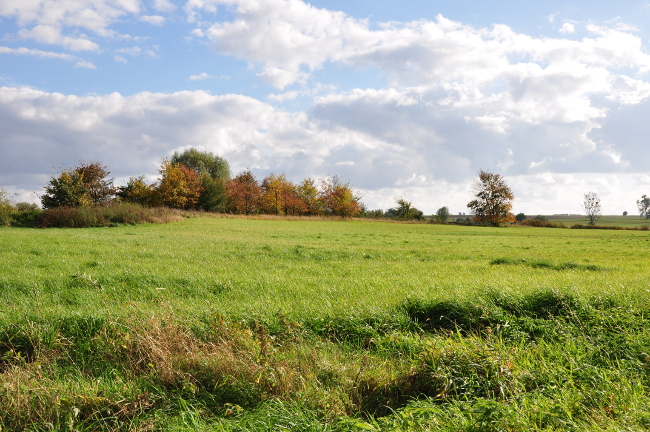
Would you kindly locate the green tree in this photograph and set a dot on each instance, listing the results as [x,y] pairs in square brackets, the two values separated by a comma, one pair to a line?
[404,209]
[213,172]
[98,186]
[66,190]
[521,217]
[493,203]
[137,191]
[442,214]
[6,207]
[591,204]
[644,207]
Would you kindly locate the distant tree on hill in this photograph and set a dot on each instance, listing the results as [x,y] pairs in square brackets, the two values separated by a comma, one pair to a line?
[493,201]
[521,217]
[591,205]
[442,214]
[644,207]
[625,213]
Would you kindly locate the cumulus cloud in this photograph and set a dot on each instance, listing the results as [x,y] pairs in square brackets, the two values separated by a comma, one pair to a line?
[567,28]
[156,20]
[64,22]
[289,39]
[199,77]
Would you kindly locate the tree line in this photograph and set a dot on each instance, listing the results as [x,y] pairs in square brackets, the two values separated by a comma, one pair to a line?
[195,180]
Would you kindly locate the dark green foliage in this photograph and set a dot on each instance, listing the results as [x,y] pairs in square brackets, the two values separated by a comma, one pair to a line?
[213,171]
[520,217]
[545,264]
[442,215]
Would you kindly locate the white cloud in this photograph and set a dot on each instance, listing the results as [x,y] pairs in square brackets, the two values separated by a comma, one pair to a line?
[120,59]
[551,17]
[85,65]
[164,6]
[567,28]
[37,53]
[199,77]
[132,51]
[387,142]
[60,22]
[289,39]
[156,20]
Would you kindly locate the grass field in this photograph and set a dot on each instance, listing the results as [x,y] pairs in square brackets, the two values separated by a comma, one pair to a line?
[239,324]
[624,221]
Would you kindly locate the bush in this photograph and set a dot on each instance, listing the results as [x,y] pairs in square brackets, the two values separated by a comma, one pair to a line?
[535,222]
[129,214]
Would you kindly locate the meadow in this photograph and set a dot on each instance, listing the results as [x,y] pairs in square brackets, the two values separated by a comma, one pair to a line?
[242,324]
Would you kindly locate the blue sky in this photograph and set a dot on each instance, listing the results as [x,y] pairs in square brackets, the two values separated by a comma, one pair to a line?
[405,99]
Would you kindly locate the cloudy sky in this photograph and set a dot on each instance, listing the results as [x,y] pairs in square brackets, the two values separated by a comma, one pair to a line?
[404,99]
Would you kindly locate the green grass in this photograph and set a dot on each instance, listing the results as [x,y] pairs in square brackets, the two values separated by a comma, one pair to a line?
[631,220]
[238,324]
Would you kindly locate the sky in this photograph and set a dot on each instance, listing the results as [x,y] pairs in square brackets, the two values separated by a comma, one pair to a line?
[403,99]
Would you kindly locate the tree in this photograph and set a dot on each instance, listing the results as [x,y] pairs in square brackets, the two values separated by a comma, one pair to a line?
[179,186]
[493,201]
[404,209]
[6,207]
[591,204]
[85,185]
[66,190]
[98,186]
[137,191]
[442,214]
[213,171]
[644,207]
[307,192]
[338,198]
[244,193]
[276,191]
[625,213]
[521,217]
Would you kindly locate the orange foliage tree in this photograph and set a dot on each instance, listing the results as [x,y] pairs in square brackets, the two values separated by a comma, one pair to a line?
[244,193]
[493,203]
[178,187]
[338,198]
[307,192]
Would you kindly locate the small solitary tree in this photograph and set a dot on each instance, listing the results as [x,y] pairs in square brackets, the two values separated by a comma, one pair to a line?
[493,201]
[644,207]
[521,217]
[404,209]
[442,214]
[591,204]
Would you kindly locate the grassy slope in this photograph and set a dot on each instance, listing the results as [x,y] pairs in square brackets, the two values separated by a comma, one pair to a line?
[129,324]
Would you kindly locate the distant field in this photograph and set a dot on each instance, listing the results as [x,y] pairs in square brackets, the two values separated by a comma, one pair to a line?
[629,220]
[311,313]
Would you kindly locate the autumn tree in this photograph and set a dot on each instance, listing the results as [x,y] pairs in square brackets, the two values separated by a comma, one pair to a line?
[307,192]
[591,205]
[213,172]
[276,189]
[644,207]
[244,193]
[66,190]
[493,202]
[6,207]
[98,186]
[338,198]
[178,187]
[138,191]
[85,185]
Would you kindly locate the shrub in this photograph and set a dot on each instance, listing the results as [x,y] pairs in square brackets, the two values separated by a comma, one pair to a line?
[542,223]
[130,214]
